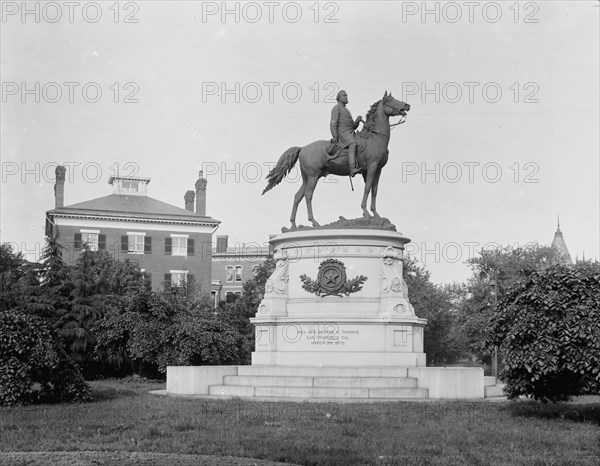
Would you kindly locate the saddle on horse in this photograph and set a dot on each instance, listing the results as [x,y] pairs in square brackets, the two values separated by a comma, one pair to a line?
[334,150]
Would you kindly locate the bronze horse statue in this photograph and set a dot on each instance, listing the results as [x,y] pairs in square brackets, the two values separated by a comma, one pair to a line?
[315,162]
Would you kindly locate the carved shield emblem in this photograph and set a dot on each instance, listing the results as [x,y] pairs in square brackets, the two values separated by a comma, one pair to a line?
[331,280]
[332,276]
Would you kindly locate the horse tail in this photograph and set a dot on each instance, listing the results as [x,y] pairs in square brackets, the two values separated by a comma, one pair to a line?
[284,166]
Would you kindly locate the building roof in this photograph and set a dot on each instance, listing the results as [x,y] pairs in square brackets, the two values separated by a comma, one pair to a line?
[132,206]
[112,179]
[559,244]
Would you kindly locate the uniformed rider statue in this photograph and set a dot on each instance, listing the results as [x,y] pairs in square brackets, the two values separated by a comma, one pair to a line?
[342,130]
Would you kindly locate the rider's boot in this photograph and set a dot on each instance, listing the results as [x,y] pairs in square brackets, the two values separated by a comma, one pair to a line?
[354,169]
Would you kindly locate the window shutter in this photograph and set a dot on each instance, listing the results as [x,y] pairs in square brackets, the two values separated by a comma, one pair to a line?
[168,246]
[148,277]
[147,245]
[190,279]
[77,241]
[190,247]
[124,243]
[167,282]
[101,242]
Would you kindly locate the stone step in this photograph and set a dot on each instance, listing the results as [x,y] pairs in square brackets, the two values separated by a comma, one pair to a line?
[231,390]
[268,381]
[488,381]
[325,382]
[494,391]
[324,371]
[366,382]
[318,392]
[400,393]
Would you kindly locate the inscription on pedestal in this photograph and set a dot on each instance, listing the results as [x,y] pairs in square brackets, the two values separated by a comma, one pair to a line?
[329,335]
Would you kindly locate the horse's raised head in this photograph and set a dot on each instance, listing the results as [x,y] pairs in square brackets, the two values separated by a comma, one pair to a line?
[394,107]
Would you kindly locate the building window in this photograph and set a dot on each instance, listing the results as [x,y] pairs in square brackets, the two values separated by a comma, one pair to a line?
[135,244]
[177,278]
[229,274]
[90,239]
[238,273]
[130,186]
[179,245]
[231,297]
[146,276]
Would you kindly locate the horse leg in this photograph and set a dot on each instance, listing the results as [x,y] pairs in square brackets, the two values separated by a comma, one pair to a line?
[310,188]
[368,184]
[374,193]
[297,198]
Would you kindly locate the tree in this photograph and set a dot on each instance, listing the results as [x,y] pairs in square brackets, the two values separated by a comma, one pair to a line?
[495,271]
[434,303]
[152,330]
[33,364]
[48,295]
[86,305]
[548,331]
[16,277]
[238,312]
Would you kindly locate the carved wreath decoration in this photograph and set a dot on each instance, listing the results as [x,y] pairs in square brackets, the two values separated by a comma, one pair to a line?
[331,280]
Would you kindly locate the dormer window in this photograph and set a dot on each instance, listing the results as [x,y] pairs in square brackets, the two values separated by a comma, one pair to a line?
[129,185]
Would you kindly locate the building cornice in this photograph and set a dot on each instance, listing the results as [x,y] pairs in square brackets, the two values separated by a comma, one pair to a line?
[240,254]
[147,219]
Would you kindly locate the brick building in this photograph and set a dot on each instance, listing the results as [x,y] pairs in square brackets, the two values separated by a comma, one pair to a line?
[232,266]
[171,244]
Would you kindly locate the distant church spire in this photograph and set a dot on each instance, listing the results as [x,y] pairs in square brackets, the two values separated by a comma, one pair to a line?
[559,244]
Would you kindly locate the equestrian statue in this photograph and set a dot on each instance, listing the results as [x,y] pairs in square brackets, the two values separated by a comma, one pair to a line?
[368,150]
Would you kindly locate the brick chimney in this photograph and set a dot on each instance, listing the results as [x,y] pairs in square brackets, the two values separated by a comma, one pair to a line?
[222,243]
[59,187]
[201,194]
[189,200]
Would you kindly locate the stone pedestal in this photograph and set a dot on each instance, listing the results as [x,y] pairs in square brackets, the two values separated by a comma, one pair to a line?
[337,298]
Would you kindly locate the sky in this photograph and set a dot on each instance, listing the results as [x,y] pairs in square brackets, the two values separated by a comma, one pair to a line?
[502,135]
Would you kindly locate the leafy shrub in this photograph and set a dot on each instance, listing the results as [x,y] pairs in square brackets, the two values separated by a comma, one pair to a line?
[33,364]
[193,340]
[548,331]
[154,330]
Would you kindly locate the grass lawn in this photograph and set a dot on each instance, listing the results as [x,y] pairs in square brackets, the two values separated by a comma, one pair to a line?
[125,417]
